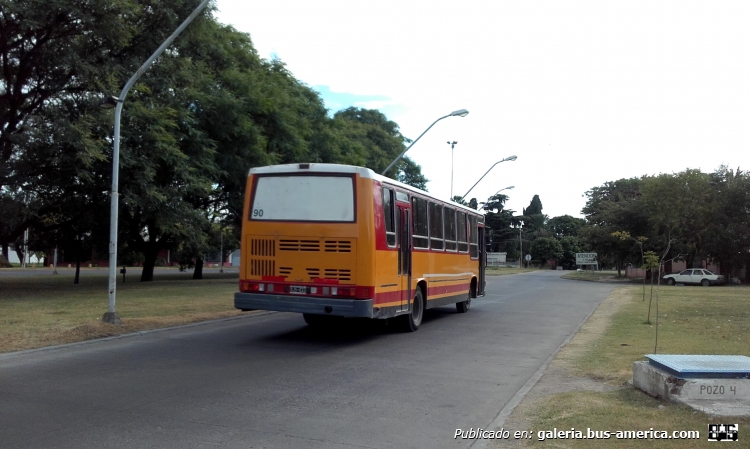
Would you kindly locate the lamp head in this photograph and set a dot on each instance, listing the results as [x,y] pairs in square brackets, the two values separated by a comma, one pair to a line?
[511,158]
[460,113]
[109,102]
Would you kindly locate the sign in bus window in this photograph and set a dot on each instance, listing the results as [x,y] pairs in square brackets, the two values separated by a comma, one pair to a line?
[436,226]
[304,198]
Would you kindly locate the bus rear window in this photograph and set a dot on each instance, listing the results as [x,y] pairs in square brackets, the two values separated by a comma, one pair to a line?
[303,198]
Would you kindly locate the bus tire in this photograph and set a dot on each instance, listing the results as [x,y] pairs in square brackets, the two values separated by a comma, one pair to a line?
[413,319]
[463,306]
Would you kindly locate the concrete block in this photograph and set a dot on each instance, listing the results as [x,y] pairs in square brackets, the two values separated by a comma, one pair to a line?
[722,397]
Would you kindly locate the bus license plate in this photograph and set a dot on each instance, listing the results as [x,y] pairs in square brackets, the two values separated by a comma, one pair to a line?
[299,289]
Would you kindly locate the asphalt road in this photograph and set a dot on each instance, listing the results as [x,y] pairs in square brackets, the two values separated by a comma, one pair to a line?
[272,382]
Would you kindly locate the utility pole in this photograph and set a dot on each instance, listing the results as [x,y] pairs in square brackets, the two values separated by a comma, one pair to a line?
[452,144]
[520,243]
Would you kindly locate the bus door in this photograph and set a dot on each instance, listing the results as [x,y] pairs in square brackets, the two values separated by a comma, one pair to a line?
[482,262]
[404,255]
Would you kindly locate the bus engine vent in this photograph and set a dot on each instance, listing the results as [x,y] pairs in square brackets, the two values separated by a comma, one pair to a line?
[342,275]
[313,272]
[299,245]
[285,271]
[338,246]
[262,247]
[260,267]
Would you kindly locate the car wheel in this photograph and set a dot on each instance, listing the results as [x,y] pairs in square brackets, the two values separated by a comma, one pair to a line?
[705,282]
[413,319]
[670,281]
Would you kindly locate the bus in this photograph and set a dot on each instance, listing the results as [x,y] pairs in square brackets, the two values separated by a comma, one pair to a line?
[329,240]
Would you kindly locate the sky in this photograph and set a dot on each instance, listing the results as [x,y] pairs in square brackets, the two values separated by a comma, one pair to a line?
[582,92]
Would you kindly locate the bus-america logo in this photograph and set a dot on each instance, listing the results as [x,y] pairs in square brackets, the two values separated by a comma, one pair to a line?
[723,432]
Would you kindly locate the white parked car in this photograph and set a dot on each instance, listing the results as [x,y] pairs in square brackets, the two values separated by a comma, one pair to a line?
[694,276]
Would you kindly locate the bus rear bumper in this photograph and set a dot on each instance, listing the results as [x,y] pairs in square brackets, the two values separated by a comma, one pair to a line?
[304,304]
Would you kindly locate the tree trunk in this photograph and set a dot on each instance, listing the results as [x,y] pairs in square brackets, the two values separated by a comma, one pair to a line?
[78,264]
[198,272]
[619,269]
[20,254]
[6,251]
[149,261]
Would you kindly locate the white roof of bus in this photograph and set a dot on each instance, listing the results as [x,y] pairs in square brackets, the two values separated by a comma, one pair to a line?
[363,172]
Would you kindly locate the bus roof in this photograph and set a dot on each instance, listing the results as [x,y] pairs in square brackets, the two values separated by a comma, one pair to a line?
[363,172]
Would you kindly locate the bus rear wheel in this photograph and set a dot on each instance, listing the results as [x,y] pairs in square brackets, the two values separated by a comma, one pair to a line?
[413,319]
[463,306]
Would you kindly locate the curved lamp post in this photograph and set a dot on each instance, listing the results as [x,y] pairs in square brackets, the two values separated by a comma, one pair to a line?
[109,102]
[459,113]
[509,158]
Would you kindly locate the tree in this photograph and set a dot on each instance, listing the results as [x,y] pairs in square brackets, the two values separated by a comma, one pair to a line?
[615,206]
[565,225]
[535,207]
[371,140]
[570,246]
[727,238]
[545,249]
[679,206]
[651,261]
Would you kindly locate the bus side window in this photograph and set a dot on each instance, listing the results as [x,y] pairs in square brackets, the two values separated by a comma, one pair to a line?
[450,228]
[436,226]
[390,225]
[473,238]
[419,237]
[463,240]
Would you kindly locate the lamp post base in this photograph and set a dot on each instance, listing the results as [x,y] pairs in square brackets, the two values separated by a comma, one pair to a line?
[111,318]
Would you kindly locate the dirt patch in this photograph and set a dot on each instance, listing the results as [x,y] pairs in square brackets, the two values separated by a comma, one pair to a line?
[560,376]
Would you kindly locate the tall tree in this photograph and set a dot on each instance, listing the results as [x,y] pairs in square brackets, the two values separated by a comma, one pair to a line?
[727,238]
[615,206]
[535,207]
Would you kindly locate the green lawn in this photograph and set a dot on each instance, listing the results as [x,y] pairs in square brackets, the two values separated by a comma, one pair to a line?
[46,309]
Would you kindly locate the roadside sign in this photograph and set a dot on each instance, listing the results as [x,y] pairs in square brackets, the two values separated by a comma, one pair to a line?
[586,259]
[528,257]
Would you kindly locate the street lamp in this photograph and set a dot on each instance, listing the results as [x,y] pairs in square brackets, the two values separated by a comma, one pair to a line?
[452,144]
[458,113]
[111,315]
[509,158]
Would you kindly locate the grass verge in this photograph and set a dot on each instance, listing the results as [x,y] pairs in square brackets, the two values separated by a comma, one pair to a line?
[692,320]
[46,309]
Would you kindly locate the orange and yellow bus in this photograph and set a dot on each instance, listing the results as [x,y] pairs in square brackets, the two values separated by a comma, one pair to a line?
[338,240]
